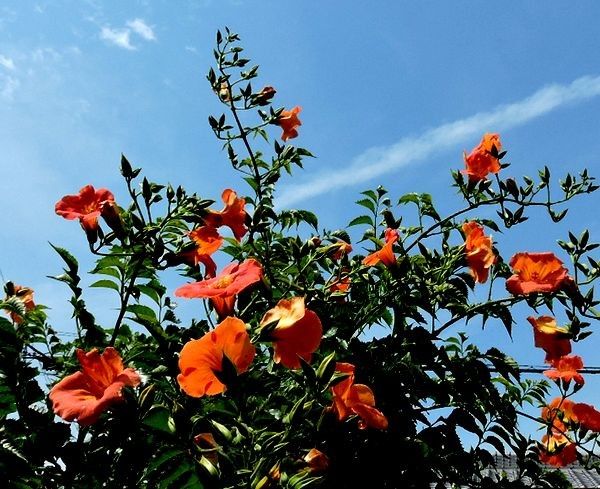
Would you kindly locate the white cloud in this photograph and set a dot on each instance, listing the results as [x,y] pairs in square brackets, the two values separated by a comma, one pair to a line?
[121,37]
[118,37]
[7,16]
[7,62]
[8,85]
[378,161]
[43,54]
[142,29]
[41,61]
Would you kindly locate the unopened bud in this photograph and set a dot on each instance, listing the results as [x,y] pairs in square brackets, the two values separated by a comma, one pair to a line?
[224,93]
[264,96]
[316,460]
[112,217]
[314,242]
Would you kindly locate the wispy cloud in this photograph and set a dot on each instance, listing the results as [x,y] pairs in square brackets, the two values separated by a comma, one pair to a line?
[378,161]
[45,54]
[118,37]
[8,86]
[7,62]
[7,16]
[14,77]
[142,29]
[121,36]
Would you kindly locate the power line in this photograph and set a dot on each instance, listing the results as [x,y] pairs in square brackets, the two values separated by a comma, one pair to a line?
[538,369]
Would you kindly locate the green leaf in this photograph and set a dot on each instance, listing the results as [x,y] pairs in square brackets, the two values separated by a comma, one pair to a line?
[310,218]
[113,272]
[326,368]
[144,313]
[153,289]
[309,371]
[463,419]
[158,463]
[108,261]
[252,182]
[361,220]
[159,418]
[410,198]
[68,258]
[371,194]
[496,443]
[106,284]
[222,429]
[368,203]
[184,468]
[8,335]
[490,224]
[387,317]
[289,417]
[7,401]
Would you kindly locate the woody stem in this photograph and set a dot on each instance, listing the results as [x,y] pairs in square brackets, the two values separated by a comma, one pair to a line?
[133,195]
[433,227]
[125,295]
[506,301]
[497,200]
[257,175]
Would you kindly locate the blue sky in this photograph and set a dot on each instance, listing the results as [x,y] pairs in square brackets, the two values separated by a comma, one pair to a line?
[391,95]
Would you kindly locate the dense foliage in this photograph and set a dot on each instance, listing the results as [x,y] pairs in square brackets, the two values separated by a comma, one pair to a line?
[280,381]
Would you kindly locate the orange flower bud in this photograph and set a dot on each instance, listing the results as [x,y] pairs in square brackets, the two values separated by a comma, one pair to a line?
[316,460]
[23,294]
[264,96]
[224,92]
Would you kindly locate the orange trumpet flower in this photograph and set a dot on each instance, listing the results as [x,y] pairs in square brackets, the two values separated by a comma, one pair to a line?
[233,214]
[536,272]
[85,395]
[297,334]
[481,161]
[289,122]
[201,360]
[87,206]
[207,240]
[350,398]
[566,369]
[550,337]
[478,248]
[557,450]
[223,289]
[386,254]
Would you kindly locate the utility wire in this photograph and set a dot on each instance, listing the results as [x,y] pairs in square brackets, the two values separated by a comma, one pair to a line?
[538,369]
